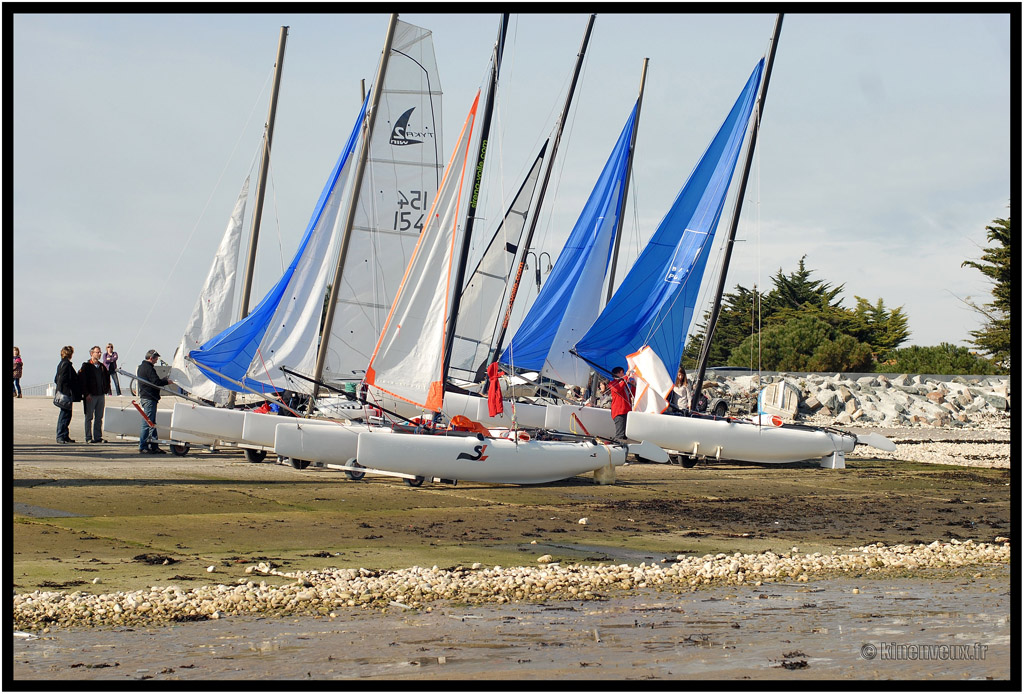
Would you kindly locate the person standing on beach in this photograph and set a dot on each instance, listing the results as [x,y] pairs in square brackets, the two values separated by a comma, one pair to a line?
[149,395]
[680,395]
[66,381]
[18,364]
[110,361]
[622,390]
[95,380]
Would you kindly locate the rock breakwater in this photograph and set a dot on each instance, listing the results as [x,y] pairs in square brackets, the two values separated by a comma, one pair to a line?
[328,591]
[878,400]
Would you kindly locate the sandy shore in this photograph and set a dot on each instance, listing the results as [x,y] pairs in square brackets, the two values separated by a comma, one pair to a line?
[100,520]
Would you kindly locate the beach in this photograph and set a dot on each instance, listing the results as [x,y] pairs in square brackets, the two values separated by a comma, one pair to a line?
[875,548]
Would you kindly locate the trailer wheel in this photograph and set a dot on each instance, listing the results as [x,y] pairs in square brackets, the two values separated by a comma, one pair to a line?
[352,474]
[682,460]
[299,464]
[415,482]
[721,409]
[179,449]
[254,456]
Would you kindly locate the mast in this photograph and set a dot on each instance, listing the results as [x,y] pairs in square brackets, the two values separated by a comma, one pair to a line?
[474,197]
[702,362]
[378,87]
[543,188]
[261,185]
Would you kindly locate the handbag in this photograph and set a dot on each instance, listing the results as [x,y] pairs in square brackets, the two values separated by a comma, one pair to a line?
[62,400]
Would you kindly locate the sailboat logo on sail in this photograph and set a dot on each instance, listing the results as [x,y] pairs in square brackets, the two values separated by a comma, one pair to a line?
[401,135]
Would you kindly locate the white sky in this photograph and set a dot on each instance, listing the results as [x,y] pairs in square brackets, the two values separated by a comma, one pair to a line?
[884,151]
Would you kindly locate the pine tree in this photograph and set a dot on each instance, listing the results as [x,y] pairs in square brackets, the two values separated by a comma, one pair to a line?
[995,337]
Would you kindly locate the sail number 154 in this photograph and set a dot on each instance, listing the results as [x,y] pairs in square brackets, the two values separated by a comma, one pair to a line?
[411,218]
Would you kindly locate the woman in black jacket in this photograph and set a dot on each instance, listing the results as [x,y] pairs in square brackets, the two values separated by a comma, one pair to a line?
[67,383]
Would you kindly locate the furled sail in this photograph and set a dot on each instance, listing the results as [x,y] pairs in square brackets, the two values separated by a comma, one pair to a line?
[482,297]
[408,361]
[655,303]
[570,299]
[214,309]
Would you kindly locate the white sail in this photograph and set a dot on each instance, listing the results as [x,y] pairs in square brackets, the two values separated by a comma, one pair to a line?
[653,382]
[408,360]
[399,183]
[483,297]
[214,308]
[399,186]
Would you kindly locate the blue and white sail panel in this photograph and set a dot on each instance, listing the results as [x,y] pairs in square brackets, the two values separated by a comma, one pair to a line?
[226,358]
[655,303]
[570,299]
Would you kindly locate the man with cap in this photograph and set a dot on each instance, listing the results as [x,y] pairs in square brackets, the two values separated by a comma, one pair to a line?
[149,395]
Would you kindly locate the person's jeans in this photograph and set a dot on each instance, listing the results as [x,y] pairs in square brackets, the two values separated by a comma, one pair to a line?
[93,417]
[115,382]
[63,422]
[620,427]
[17,387]
[147,432]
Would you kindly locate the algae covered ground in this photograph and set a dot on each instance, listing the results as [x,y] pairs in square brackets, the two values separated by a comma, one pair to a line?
[101,518]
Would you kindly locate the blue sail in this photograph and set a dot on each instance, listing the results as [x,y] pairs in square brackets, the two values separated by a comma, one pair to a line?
[570,298]
[655,303]
[225,359]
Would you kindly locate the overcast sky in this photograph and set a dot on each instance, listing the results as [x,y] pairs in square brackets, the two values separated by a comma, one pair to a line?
[884,150]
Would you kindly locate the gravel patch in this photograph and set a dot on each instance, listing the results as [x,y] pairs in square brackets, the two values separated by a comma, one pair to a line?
[329,590]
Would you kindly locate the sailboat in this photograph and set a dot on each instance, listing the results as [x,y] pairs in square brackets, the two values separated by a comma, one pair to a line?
[369,215]
[413,354]
[694,437]
[645,322]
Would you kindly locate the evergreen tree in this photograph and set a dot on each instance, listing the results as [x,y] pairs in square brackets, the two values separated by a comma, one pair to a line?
[943,359]
[873,329]
[737,319]
[883,330]
[804,343]
[995,337]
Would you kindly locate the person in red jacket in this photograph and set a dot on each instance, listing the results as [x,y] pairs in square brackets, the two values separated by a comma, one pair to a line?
[622,390]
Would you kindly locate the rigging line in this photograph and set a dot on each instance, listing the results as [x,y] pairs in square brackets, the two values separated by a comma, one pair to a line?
[206,206]
[277,215]
[267,371]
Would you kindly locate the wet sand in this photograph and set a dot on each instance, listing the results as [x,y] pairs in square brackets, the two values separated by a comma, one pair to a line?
[92,518]
[782,631]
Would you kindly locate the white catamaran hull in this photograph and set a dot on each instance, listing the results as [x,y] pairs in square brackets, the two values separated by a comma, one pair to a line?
[475,407]
[498,461]
[126,421]
[330,443]
[261,429]
[596,420]
[195,423]
[737,440]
